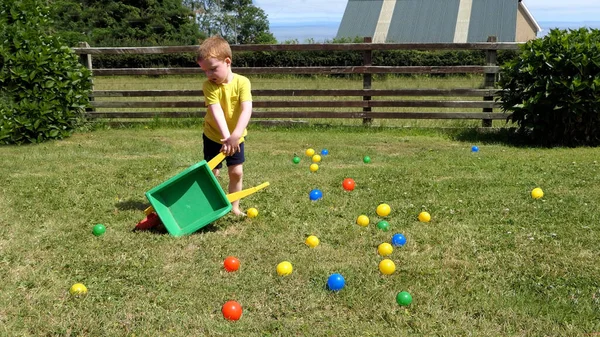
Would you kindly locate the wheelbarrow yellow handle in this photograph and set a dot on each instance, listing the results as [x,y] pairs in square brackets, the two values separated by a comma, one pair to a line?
[149,210]
[216,160]
[244,193]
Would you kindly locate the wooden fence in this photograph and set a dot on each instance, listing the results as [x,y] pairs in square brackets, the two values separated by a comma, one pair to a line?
[365,103]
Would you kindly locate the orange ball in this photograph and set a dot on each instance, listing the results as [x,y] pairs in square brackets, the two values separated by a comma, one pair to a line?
[231,264]
[232,310]
[348,184]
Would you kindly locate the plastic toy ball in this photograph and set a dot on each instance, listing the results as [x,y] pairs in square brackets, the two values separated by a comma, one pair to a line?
[385,249]
[387,267]
[315,195]
[78,289]
[366,159]
[313,167]
[316,158]
[312,241]
[348,184]
[336,282]
[252,212]
[398,240]
[310,152]
[403,298]
[537,193]
[232,310]
[383,225]
[424,217]
[231,264]
[474,148]
[284,268]
[296,160]
[98,230]
[383,210]
[362,220]
[324,152]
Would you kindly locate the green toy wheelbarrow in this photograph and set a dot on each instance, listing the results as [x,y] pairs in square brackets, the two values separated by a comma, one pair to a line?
[191,200]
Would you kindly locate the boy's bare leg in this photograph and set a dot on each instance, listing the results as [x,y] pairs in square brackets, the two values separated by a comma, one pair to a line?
[236,174]
[216,172]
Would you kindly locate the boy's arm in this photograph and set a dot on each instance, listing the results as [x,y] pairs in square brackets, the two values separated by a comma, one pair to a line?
[234,139]
[219,116]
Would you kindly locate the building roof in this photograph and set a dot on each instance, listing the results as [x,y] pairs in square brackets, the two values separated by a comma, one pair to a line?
[432,20]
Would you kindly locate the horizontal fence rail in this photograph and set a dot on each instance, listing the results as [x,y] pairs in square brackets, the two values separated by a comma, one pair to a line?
[365,103]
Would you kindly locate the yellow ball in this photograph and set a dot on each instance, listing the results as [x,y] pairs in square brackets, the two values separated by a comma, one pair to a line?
[537,193]
[312,241]
[383,210]
[314,167]
[252,212]
[316,158]
[310,152]
[284,268]
[362,220]
[78,289]
[385,249]
[387,267]
[424,217]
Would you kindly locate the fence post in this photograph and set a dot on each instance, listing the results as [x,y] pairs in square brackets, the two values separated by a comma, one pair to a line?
[86,60]
[489,81]
[367,61]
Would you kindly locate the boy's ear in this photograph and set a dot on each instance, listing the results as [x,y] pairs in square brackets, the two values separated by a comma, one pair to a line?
[228,61]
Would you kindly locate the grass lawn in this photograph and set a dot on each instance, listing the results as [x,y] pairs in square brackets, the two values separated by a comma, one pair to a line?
[492,261]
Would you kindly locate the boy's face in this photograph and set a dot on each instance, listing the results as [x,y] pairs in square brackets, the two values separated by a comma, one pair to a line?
[216,71]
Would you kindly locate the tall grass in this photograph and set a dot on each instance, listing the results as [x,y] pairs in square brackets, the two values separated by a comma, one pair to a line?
[493,261]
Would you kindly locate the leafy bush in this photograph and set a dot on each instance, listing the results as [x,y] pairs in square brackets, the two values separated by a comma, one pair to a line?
[43,88]
[553,89]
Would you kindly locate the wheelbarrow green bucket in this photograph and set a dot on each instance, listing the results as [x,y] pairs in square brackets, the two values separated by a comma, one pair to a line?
[193,198]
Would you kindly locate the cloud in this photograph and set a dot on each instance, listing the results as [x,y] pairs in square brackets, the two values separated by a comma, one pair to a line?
[294,11]
[555,10]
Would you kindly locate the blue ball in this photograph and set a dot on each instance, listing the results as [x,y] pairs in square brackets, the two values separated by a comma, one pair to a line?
[474,148]
[398,240]
[336,282]
[315,195]
[324,152]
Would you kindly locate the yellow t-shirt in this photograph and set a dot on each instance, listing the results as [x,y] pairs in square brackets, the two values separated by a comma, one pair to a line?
[230,96]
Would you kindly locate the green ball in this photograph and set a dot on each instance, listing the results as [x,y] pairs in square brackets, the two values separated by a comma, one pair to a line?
[403,298]
[296,160]
[366,159]
[383,225]
[98,230]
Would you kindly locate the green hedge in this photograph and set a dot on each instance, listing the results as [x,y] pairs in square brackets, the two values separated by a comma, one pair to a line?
[43,88]
[307,59]
[553,90]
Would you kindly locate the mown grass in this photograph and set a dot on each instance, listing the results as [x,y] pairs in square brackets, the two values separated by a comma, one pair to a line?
[491,262]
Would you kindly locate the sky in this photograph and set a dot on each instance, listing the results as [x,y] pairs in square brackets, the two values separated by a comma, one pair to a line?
[320,19]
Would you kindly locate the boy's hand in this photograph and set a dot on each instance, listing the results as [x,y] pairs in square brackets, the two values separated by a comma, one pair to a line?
[231,145]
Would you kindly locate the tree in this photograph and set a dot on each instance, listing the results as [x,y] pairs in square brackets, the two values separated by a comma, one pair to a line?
[125,23]
[238,21]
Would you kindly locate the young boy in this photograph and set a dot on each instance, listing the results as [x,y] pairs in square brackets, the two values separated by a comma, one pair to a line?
[229,103]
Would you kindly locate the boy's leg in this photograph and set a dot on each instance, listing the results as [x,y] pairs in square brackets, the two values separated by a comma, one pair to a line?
[236,175]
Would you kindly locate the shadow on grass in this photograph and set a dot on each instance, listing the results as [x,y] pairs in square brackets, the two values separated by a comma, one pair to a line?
[132,205]
[505,136]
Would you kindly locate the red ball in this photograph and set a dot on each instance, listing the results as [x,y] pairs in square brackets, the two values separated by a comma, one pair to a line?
[232,310]
[348,184]
[231,263]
